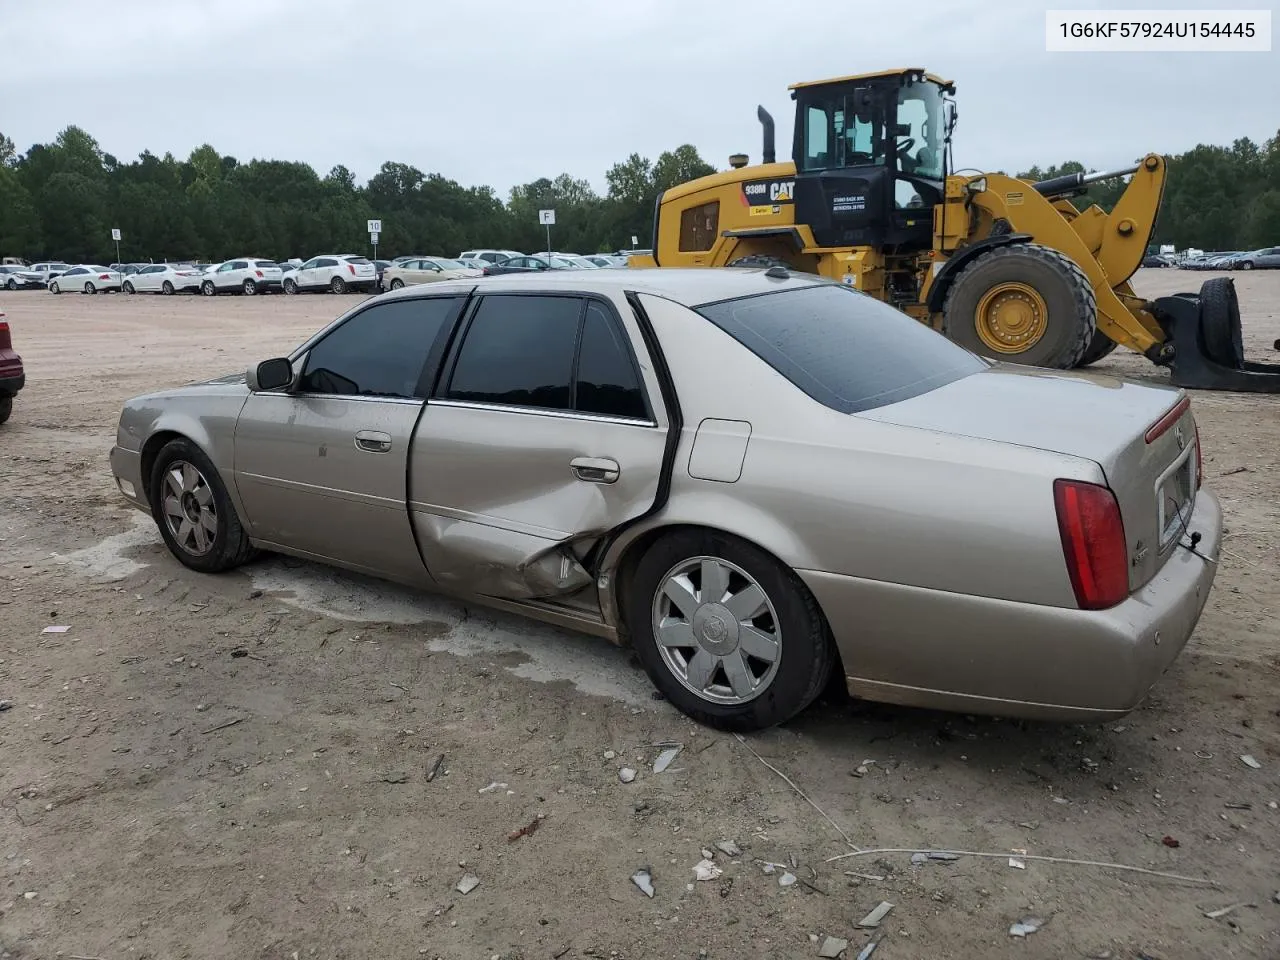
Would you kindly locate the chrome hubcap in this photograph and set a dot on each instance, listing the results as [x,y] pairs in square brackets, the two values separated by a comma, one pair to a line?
[189,508]
[717,630]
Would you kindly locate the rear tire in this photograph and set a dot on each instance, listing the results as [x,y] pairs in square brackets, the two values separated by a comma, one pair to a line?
[1220,322]
[181,465]
[788,615]
[90,289]
[337,285]
[1033,305]
[166,288]
[1247,265]
[6,407]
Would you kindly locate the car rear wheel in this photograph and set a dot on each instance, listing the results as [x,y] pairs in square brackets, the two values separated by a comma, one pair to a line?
[732,637]
[6,407]
[1247,265]
[249,288]
[208,289]
[193,511]
[90,289]
[338,285]
[290,287]
[397,283]
[166,288]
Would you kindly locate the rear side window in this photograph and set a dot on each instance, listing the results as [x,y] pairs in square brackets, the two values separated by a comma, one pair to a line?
[843,348]
[380,352]
[608,382]
[519,351]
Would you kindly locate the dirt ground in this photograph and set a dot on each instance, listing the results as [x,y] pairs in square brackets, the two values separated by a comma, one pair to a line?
[237,766]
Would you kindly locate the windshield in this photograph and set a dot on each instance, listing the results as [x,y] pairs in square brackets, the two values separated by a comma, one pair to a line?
[448,264]
[843,348]
[559,263]
[920,130]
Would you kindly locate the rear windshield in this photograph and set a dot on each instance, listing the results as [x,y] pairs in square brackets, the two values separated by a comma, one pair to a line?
[356,259]
[843,348]
[265,263]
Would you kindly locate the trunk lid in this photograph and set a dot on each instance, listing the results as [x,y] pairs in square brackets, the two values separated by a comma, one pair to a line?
[1142,436]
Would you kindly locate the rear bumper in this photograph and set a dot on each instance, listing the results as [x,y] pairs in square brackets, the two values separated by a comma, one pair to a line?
[948,651]
[126,467]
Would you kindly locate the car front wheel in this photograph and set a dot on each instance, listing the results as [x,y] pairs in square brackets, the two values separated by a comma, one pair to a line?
[397,283]
[207,288]
[731,636]
[194,512]
[290,287]
[53,288]
[128,288]
[12,284]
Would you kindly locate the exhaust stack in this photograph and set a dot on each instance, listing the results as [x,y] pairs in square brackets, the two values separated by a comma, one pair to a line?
[766,121]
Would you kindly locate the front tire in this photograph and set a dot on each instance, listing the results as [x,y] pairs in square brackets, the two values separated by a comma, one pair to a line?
[732,637]
[12,284]
[208,289]
[1247,265]
[1023,303]
[1100,346]
[54,289]
[290,287]
[397,283]
[195,515]
[6,407]
[128,288]
[337,285]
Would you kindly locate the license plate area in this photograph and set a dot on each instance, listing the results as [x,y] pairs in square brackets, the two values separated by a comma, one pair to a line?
[1175,499]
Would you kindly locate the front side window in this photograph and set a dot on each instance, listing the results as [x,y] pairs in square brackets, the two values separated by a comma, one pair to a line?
[519,351]
[843,130]
[843,348]
[698,227]
[380,352]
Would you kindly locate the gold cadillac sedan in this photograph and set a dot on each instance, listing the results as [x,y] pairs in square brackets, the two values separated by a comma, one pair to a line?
[753,478]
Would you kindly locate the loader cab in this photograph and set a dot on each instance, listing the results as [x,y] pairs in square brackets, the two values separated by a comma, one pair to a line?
[869,156]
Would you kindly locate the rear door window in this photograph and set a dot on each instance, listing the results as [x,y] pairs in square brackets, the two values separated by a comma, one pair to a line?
[607,381]
[843,348]
[519,352]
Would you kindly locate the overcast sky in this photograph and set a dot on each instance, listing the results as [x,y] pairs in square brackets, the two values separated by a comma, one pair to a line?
[502,92]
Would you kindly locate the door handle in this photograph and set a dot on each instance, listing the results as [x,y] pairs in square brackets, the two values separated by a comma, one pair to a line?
[371,441]
[595,469]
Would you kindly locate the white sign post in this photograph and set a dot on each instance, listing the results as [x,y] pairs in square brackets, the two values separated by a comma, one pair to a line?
[115,235]
[635,241]
[548,219]
[375,228]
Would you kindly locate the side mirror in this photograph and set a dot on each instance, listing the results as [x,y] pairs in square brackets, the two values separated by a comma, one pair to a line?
[270,375]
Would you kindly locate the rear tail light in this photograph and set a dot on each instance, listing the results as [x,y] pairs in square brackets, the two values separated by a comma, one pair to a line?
[352,268]
[6,341]
[258,272]
[1093,543]
[104,276]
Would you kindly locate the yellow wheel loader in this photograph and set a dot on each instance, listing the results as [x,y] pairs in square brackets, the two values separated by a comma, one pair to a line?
[1008,268]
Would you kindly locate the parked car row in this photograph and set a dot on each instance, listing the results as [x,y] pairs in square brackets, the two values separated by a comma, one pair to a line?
[1266,258]
[249,276]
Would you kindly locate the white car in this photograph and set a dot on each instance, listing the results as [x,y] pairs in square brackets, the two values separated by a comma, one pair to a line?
[48,270]
[87,278]
[247,275]
[15,277]
[489,256]
[166,278]
[335,272]
[606,262]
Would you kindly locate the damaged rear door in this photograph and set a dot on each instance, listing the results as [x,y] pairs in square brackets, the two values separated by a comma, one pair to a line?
[545,432]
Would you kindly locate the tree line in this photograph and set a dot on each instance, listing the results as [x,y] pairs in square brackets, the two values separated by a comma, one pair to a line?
[62,199]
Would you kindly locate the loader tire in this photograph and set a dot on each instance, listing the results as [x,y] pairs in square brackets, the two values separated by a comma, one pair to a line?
[1100,346]
[1220,322]
[1049,313]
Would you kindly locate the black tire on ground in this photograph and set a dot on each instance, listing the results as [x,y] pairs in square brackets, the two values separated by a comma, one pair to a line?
[1100,346]
[12,284]
[397,283]
[208,289]
[290,287]
[6,407]
[1071,307]
[807,649]
[231,546]
[166,288]
[90,289]
[54,288]
[1220,322]
[1247,265]
[338,285]
[128,288]
[249,288]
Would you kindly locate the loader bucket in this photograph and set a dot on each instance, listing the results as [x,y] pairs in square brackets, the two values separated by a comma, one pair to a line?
[1205,331]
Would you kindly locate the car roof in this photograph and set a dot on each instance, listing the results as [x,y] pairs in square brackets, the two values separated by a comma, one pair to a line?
[689,286]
